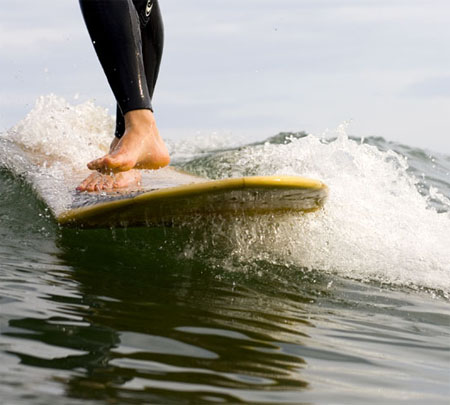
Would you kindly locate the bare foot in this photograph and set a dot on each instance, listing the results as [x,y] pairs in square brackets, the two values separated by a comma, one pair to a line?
[140,147]
[100,181]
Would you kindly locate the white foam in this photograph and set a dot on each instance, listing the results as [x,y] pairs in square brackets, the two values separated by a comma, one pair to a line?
[375,225]
[57,132]
[201,145]
[52,144]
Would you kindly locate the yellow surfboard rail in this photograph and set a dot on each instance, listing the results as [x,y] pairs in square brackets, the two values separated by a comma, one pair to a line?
[252,195]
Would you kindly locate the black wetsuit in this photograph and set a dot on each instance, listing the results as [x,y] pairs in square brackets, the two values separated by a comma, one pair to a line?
[128,37]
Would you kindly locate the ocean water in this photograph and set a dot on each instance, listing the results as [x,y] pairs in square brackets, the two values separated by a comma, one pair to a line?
[348,305]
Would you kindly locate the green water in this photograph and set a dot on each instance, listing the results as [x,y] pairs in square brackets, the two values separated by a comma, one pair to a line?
[149,316]
[349,306]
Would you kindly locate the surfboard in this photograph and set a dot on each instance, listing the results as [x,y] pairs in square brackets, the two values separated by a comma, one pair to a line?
[171,197]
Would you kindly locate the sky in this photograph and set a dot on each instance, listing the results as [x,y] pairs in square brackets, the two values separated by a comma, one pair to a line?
[251,69]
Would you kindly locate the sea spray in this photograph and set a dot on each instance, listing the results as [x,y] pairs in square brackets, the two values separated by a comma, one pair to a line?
[376,225]
[56,132]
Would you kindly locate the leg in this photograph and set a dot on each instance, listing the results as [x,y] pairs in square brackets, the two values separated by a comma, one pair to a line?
[152,38]
[152,45]
[114,27]
[152,35]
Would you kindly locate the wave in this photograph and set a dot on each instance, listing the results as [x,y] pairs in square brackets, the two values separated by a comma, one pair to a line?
[387,218]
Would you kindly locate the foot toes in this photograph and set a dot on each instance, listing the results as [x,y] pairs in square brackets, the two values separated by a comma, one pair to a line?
[85,183]
[98,181]
[91,186]
[96,164]
[108,182]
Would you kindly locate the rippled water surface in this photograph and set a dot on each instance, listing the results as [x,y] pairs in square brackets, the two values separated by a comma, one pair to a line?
[336,307]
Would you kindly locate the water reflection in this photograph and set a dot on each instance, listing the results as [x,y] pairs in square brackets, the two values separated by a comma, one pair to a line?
[180,315]
[147,323]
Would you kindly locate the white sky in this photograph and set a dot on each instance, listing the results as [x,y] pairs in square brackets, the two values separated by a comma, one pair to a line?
[254,68]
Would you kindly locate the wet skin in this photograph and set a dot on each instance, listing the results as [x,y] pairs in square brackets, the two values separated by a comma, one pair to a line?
[141,147]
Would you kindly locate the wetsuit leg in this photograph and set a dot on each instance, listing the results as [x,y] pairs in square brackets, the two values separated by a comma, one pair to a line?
[119,31]
[152,36]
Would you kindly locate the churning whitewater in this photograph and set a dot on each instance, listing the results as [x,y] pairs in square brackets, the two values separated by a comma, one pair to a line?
[386,220]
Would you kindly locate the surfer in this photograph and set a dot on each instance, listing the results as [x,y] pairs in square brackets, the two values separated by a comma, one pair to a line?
[128,38]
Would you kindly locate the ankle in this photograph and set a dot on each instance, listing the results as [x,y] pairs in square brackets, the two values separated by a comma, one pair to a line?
[139,118]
